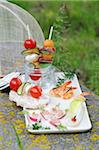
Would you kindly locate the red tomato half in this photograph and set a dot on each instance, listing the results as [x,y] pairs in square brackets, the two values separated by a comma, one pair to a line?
[15,84]
[36,75]
[35,91]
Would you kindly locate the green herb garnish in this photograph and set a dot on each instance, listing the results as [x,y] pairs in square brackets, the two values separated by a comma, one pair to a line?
[62,127]
[38,126]
[66,75]
[66,110]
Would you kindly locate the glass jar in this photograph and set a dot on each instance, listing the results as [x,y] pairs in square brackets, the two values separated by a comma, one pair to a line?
[44,77]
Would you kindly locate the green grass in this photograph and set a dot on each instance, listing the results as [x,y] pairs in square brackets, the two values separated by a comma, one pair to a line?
[80,44]
[17,138]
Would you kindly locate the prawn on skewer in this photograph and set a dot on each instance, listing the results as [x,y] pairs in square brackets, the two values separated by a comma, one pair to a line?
[64,91]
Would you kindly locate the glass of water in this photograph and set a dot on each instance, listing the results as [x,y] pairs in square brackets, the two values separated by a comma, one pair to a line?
[44,77]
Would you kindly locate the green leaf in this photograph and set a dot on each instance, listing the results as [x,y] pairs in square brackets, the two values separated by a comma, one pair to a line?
[66,110]
[38,126]
[67,75]
[62,127]
[25,112]
[17,138]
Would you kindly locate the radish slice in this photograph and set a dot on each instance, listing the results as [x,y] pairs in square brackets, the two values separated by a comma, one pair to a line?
[33,119]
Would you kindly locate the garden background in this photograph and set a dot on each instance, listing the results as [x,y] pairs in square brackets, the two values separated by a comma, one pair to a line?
[76,35]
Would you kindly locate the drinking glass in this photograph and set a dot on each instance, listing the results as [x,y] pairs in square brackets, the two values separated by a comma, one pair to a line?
[44,77]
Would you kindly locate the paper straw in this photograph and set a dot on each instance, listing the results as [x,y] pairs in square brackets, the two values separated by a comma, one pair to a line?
[51,31]
[28,30]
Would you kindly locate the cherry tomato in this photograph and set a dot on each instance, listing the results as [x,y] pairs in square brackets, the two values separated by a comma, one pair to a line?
[35,75]
[35,91]
[39,88]
[29,44]
[15,84]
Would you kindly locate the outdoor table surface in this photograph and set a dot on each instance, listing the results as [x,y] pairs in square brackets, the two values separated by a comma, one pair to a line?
[11,120]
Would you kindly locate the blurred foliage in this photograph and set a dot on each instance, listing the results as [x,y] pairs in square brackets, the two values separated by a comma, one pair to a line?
[78,41]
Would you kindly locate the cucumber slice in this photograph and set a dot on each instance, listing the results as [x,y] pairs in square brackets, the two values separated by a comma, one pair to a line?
[27,85]
[30,51]
[44,65]
[21,88]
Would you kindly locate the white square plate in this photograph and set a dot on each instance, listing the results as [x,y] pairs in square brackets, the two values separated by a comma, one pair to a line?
[84,125]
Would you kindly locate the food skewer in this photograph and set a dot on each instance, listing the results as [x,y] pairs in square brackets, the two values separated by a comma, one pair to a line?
[50,34]
[28,30]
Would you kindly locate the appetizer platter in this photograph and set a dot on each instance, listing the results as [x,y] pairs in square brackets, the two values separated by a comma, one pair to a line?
[48,112]
[60,115]
[49,106]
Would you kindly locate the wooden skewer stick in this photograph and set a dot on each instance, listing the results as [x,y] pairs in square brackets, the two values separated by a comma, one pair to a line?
[51,31]
[28,30]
